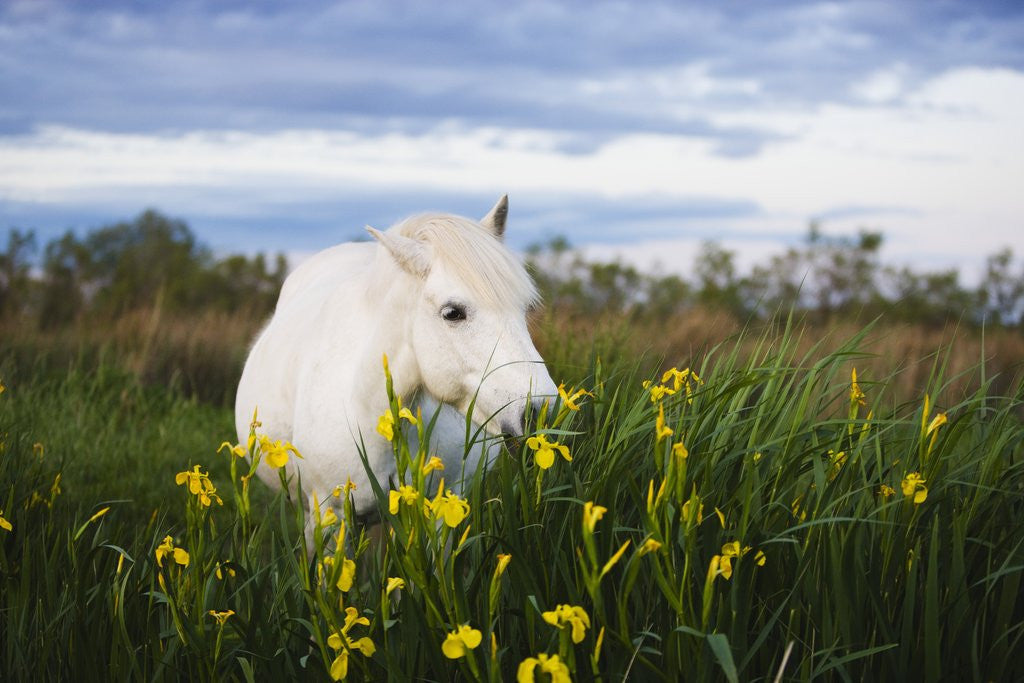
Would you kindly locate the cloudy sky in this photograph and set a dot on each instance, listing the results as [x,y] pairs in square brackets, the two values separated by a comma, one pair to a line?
[635,128]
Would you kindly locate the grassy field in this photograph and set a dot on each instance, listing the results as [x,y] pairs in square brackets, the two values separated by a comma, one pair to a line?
[763,516]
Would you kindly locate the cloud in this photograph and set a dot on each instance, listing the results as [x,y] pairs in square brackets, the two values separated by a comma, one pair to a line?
[610,122]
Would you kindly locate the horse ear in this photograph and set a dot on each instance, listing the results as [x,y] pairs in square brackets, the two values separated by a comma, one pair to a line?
[408,253]
[495,218]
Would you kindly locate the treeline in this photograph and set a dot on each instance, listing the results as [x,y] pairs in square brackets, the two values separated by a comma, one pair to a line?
[150,261]
[156,261]
[825,278]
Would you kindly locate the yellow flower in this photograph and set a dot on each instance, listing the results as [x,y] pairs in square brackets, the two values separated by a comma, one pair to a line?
[180,555]
[405,494]
[714,569]
[545,449]
[660,429]
[570,397]
[386,422]
[658,391]
[276,452]
[348,575]
[344,644]
[550,665]
[394,583]
[591,514]
[757,456]
[570,616]
[449,507]
[679,451]
[461,639]
[733,550]
[338,490]
[700,512]
[433,464]
[222,570]
[4,524]
[649,546]
[199,484]
[936,422]
[503,560]
[886,491]
[856,395]
[913,485]
[328,518]
[236,450]
[725,565]
[221,617]
[386,425]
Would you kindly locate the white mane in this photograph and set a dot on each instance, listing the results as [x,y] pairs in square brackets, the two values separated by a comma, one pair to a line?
[473,254]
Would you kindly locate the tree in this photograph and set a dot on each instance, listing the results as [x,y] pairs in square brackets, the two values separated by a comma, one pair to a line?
[1001,294]
[718,285]
[15,271]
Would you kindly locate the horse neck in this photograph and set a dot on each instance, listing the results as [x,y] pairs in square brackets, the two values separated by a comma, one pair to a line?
[390,296]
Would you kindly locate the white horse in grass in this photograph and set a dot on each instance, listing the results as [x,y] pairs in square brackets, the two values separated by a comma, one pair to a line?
[446,300]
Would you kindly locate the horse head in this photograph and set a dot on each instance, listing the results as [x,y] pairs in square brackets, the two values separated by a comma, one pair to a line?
[466,316]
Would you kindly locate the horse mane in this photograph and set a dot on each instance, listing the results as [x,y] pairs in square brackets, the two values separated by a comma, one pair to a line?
[471,252]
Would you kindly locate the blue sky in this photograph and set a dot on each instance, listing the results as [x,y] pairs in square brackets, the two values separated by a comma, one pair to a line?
[637,129]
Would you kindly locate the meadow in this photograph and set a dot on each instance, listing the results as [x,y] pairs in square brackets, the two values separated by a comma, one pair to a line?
[749,510]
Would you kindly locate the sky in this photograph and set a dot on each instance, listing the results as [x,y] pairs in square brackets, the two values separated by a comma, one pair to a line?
[636,130]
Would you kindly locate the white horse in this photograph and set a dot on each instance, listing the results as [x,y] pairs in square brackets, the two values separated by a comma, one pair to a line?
[446,300]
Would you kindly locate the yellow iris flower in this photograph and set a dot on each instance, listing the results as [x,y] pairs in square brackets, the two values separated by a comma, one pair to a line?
[913,485]
[550,665]
[221,617]
[405,495]
[591,514]
[449,507]
[545,451]
[460,640]
[680,451]
[199,485]
[386,422]
[649,546]
[732,550]
[433,464]
[344,644]
[856,395]
[571,616]
[180,555]
[503,560]
[237,450]
[569,397]
[660,429]
[339,490]
[276,452]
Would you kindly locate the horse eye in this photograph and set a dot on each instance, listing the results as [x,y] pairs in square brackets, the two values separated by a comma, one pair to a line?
[453,313]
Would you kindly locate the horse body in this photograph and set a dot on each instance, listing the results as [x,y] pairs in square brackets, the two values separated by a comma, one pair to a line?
[446,300]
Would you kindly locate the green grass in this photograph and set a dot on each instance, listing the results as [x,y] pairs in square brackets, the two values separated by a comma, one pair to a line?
[782,459]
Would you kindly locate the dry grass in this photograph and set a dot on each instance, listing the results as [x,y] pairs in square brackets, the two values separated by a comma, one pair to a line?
[906,355]
[203,354]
